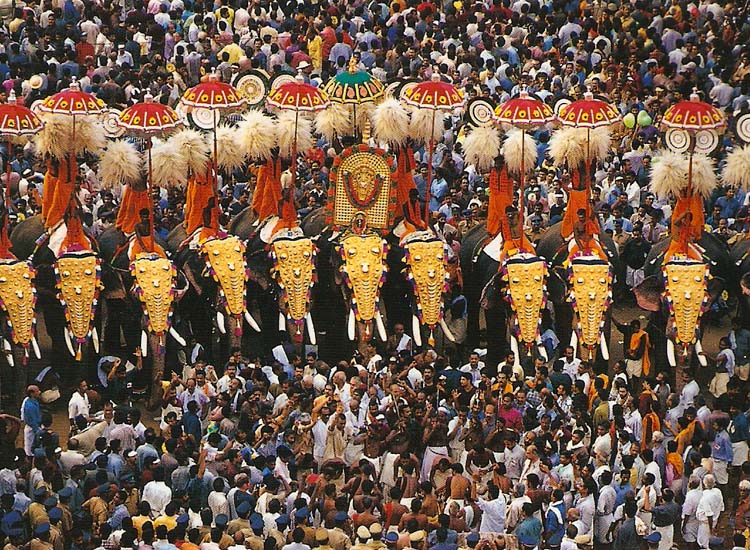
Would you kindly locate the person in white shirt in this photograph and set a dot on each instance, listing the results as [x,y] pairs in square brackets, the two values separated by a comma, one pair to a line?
[710,506]
[493,511]
[79,405]
[474,366]
[157,493]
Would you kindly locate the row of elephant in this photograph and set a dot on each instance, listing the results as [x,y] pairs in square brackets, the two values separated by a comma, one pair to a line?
[332,309]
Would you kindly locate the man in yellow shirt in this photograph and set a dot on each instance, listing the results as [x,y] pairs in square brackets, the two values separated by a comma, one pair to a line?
[169,518]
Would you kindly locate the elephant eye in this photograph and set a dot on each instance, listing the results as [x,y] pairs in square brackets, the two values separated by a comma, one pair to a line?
[352,251]
[283,256]
[66,273]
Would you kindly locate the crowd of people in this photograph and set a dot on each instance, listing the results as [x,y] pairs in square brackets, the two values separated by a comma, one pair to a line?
[404,448]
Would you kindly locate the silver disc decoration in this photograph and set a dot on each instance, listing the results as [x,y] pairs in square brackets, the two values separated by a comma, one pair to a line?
[677,140]
[706,141]
[109,121]
[281,78]
[742,127]
[391,89]
[203,119]
[480,111]
[560,103]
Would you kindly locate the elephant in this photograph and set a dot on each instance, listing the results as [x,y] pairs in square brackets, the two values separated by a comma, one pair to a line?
[739,254]
[650,293]
[484,287]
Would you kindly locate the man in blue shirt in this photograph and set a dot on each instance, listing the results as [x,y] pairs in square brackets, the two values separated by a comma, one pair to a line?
[529,531]
[721,451]
[729,204]
[554,523]
[738,434]
[31,415]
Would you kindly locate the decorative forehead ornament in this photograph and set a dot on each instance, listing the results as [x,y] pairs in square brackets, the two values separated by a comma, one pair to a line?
[364,269]
[17,300]
[590,280]
[78,283]
[154,281]
[294,270]
[685,290]
[526,292]
[225,261]
[427,269]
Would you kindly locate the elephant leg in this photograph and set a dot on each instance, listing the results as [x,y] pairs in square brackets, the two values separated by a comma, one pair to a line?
[497,342]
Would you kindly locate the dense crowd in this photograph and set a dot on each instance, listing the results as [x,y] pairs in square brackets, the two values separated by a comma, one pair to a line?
[402,448]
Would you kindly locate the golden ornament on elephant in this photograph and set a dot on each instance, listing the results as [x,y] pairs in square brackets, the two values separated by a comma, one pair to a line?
[685,290]
[225,261]
[78,283]
[427,269]
[154,280]
[590,295]
[294,270]
[526,277]
[17,299]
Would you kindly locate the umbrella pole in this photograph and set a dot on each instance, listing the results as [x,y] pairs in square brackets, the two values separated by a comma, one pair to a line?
[290,196]
[216,158]
[149,186]
[354,122]
[522,212]
[429,170]
[7,184]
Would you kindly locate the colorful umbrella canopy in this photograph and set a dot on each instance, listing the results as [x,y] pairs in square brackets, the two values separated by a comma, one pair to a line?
[17,120]
[524,111]
[434,94]
[693,115]
[588,113]
[214,95]
[73,101]
[354,87]
[298,96]
[149,119]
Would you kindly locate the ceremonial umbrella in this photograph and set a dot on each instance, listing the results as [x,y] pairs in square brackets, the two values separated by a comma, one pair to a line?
[215,96]
[434,95]
[525,112]
[692,116]
[148,120]
[15,121]
[354,87]
[297,96]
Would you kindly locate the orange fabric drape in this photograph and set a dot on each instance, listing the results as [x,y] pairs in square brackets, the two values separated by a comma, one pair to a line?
[200,189]
[50,183]
[129,214]
[501,196]
[145,245]
[63,191]
[635,343]
[5,245]
[75,238]
[260,187]
[404,177]
[271,190]
[577,199]
[683,236]
[651,424]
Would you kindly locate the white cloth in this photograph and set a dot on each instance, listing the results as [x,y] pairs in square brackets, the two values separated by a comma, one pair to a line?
[493,515]
[79,405]
[158,495]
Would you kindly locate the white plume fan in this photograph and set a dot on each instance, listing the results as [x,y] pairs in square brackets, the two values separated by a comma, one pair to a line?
[705,179]
[511,151]
[599,142]
[195,148]
[229,156]
[481,147]
[256,134]
[669,173]
[169,164]
[421,125]
[565,146]
[333,121]
[737,168]
[56,138]
[285,133]
[120,164]
[390,122]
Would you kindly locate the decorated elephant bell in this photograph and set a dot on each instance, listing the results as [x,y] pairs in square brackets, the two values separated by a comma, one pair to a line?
[78,283]
[364,269]
[293,257]
[154,280]
[526,292]
[590,281]
[17,300]
[685,292]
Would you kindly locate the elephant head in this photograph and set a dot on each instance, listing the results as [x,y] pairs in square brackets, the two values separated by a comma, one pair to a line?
[525,276]
[154,282]
[293,257]
[364,268]
[590,280]
[17,300]
[427,269]
[225,261]
[78,283]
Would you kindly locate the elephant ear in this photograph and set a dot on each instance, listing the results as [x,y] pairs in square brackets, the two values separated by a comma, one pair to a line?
[492,293]
[648,293]
[716,285]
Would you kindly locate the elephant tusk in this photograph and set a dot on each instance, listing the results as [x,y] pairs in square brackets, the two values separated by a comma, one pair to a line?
[251,321]
[574,343]
[311,329]
[68,342]
[35,345]
[95,339]
[381,327]
[282,322]
[6,345]
[514,345]
[351,325]
[220,322]
[542,351]
[177,336]
[447,331]
[603,345]
[698,351]
[670,353]
[144,344]
[417,330]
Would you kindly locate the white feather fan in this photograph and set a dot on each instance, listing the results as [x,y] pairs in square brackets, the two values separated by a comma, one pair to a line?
[511,151]
[390,122]
[89,136]
[668,174]
[285,133]
[257,135]
[599,142]
[364,116]
[195,147]
[705,179]
[51,140]
[333,121]
[421,124]
[169,165]
[737,168]
[481,147]
[565,146]
[57,139]
[120,163]
[230,157]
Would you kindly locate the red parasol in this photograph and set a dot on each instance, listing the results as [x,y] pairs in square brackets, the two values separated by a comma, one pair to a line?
[588,113]
[525,112]
[693,115]
[72,101]
[434,95]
